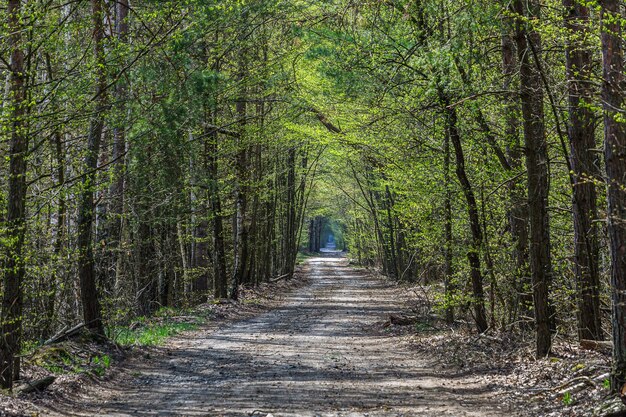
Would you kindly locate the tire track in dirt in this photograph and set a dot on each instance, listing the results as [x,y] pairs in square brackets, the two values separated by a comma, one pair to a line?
[315,355]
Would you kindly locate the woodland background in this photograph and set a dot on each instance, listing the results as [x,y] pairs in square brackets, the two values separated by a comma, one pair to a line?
[160,153]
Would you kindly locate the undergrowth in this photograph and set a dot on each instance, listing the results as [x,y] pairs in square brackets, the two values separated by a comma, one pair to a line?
[155,330]
[150,335]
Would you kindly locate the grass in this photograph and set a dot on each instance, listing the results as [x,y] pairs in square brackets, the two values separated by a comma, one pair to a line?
[70,358]
[59,360]
[101,364]
[151,334]
[155,330]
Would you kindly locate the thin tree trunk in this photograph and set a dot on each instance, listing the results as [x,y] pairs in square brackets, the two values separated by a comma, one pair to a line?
[60,233]
[117,188]
[219,253]
[473,256]
[240,244]
[290,220]
[449,285]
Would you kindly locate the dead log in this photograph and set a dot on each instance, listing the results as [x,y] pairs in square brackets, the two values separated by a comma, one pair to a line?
[601,346]
[36,386]
[65,334]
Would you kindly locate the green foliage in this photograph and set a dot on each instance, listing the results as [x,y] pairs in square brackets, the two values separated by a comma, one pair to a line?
[373,70]
[59,360]
[156,329]
[567,399]
[151,335]
[100,364]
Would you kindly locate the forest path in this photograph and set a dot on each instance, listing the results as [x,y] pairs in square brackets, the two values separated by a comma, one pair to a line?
[318,354]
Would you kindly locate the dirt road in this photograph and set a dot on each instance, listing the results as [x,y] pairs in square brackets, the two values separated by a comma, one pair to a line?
[316,355]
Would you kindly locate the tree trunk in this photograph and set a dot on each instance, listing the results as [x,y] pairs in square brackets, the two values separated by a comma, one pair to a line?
[60,233]
[220,275]
[240,244]
[200,261]
[312,235]
[290,220]
[449,285]
[579,60]
[615,159]
[472,208]
[86,210]
[531,96]
[518,212]
[118,160]
[14,268]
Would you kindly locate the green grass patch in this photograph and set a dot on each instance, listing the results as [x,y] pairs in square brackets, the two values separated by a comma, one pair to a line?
[59,360]
[156,329]
[151,334]
[100,364]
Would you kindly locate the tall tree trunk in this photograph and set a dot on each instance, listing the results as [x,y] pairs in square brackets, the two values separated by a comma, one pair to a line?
[518,212]
[86,268]
[531,97]
[579,61]
[60,233]
[290,220]
[220,276]
[450,287]
[240,244]
[118,160]
[200,260]
[615,159]
[312,235]
[14,268]
[388,205]
[473,256]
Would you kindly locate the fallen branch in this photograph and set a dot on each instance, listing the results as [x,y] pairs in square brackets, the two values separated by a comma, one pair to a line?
[36,386]
[65,334]
[279,278]
[586,381]
[597,345]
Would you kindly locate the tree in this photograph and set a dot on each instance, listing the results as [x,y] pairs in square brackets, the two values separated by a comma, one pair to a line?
[13,263]
[579,62]
[528,42]
[473,253]
[615,160]
[87,273]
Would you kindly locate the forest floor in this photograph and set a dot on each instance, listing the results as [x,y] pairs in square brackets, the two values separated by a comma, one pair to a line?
[326,348]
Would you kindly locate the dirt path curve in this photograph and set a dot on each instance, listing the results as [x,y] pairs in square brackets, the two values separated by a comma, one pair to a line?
[316,355]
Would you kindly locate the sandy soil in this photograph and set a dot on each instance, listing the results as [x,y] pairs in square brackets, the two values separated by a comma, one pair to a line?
[320,353]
